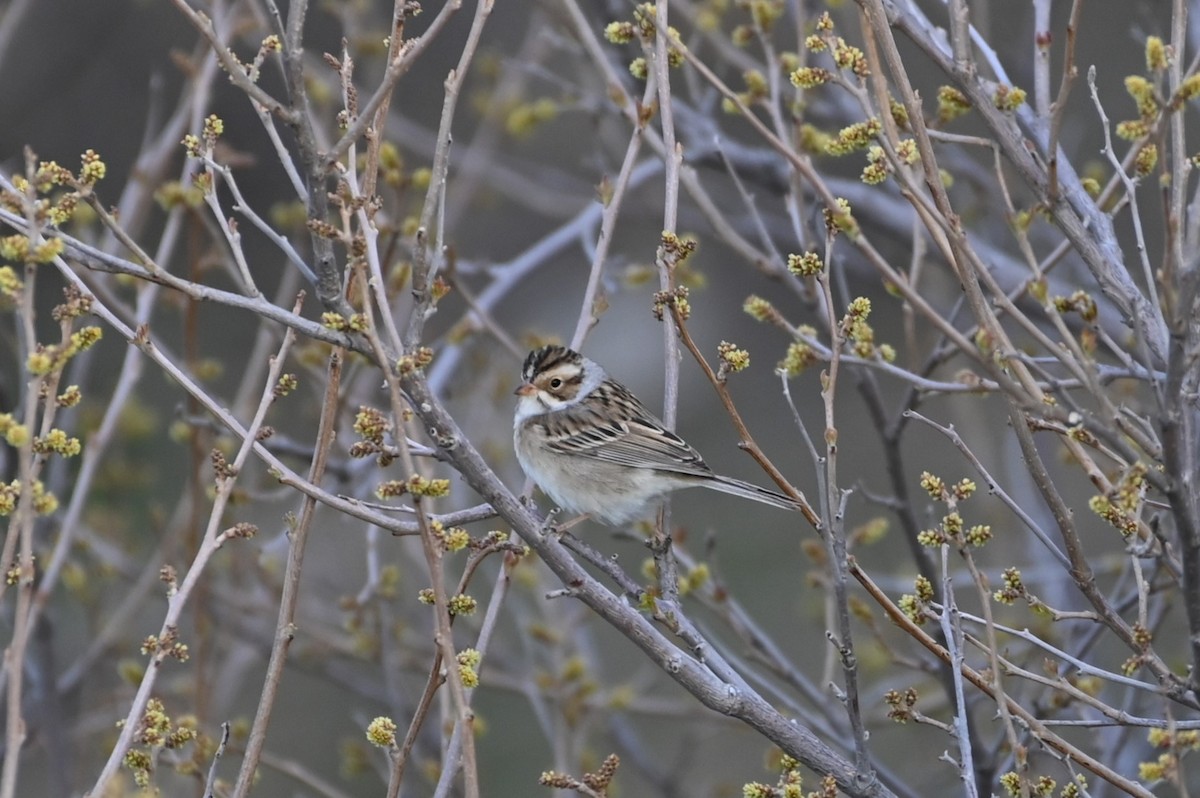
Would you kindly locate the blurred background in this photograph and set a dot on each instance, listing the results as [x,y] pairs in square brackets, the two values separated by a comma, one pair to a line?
[534,140]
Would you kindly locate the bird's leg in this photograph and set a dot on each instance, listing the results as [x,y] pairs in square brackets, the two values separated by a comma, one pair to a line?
[562,529]
[558,530]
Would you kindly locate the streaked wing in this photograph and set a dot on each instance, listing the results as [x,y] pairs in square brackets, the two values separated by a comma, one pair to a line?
[612,425]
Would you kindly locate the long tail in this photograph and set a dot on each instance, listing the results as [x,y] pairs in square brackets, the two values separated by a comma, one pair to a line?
[751,491]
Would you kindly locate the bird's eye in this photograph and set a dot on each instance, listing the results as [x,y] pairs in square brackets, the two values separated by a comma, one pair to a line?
[555,384]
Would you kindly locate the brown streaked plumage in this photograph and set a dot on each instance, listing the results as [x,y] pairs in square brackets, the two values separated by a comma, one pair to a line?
[594,448]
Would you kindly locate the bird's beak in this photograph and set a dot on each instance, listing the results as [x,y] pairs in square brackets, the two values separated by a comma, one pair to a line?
[526,389]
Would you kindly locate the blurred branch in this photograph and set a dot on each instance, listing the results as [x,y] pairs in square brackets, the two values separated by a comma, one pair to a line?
[982,684]
[685,670]
[448,169]
[165,643]
[298,542]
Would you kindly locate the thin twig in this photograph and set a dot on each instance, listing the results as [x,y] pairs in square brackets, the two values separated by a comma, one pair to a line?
[1035,726]
[211,781]
[285,628]
[213,539]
